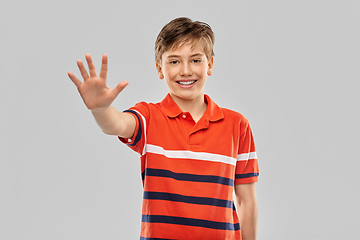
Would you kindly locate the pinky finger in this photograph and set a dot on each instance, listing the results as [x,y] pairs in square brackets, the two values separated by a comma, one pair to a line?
[74,79]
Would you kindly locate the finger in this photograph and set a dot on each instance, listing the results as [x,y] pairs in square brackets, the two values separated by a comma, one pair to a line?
[74,79]
[115,92]
[104,67]
[91,65]
[82,69]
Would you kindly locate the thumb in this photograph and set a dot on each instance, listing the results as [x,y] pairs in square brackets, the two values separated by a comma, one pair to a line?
[115,92]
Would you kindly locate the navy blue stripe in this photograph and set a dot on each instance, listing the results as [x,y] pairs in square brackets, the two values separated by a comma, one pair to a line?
[143,175]
[188,177]
[138,136]
[246,175]
[190,222]
[144,238]
[188,199]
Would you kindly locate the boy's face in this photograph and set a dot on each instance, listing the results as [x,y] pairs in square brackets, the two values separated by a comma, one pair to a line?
[185,71]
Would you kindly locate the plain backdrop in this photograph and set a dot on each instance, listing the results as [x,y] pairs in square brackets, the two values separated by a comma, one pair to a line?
[291,67]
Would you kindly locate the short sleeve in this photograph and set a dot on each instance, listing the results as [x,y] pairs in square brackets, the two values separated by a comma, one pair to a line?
[138,140]
[247,168]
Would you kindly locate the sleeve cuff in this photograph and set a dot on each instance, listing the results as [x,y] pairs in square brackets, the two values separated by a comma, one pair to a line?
[137,134]
[246,178]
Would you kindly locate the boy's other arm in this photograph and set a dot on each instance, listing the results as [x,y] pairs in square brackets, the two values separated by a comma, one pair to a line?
[247,210]
[98,97]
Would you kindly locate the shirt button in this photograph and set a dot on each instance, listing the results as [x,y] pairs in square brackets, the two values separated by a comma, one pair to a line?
[184,116]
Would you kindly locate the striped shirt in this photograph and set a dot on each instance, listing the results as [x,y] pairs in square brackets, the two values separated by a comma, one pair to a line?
[189,169]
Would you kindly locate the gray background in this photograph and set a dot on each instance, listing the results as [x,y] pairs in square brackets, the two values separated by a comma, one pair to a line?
[291,67]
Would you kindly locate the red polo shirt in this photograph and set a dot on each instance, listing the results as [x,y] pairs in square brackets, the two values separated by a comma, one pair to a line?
[189,169]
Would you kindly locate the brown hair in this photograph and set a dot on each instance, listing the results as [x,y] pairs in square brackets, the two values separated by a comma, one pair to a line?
[184,30]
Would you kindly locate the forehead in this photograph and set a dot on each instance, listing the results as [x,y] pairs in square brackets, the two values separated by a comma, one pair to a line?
[185,47]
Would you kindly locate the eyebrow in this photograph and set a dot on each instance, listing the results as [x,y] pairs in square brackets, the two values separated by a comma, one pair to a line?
[193,55]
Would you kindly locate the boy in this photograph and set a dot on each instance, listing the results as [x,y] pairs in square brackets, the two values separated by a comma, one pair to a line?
[193,153]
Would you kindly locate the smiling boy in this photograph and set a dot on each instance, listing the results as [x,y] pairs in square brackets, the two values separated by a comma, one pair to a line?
[193,153]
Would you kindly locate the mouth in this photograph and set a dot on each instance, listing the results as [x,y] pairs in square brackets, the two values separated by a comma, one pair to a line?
[186,82]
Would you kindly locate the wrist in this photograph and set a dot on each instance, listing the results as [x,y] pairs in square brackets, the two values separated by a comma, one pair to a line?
[99,110]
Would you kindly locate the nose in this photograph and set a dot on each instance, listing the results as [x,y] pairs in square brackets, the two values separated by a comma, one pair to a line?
[185,69]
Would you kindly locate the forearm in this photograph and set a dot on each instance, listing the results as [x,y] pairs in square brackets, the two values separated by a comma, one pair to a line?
[113,122]
[248,214]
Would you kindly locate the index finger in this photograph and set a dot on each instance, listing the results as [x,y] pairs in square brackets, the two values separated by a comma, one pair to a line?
[104,67]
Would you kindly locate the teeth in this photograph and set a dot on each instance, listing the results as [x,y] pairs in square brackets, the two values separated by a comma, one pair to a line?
[186,83]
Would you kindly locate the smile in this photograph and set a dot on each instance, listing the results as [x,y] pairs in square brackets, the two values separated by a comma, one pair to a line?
[186,83]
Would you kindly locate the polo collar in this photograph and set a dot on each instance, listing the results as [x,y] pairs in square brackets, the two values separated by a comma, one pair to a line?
[172,110]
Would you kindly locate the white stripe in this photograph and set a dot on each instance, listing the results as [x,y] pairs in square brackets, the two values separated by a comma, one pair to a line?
[246,156]
[144,132]
[190,155]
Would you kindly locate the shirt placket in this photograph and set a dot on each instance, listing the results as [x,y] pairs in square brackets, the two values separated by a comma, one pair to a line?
[194,131]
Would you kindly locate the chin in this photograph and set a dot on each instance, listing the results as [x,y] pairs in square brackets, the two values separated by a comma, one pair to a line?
[188,97]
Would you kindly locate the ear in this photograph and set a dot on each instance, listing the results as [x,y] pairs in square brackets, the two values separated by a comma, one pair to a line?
[210,66]
[159,70]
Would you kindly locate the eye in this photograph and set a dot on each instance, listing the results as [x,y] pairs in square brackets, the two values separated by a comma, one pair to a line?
[173,62]
[196,61]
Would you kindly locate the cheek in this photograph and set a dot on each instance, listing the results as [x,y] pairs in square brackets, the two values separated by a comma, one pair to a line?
[202,71]
[170,72]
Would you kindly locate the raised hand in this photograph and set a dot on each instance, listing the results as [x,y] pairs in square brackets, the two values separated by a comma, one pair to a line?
[94,91]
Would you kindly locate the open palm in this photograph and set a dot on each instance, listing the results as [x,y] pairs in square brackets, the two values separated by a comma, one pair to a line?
[94,91]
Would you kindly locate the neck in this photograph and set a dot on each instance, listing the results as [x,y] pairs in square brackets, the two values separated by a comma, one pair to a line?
[196,107]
